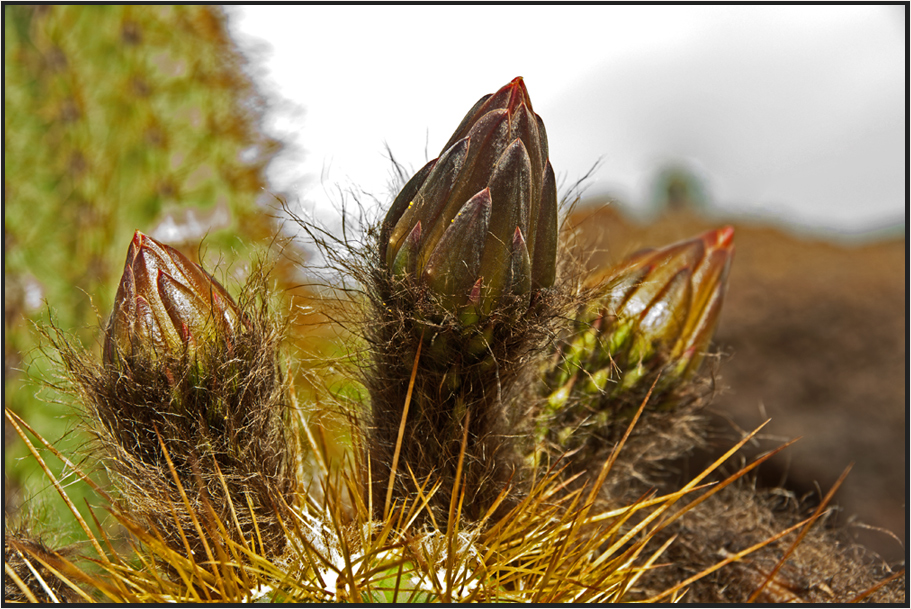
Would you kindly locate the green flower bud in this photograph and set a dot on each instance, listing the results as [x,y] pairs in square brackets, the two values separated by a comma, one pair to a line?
[166,306]
[478,225]
[654,312]
[661,307]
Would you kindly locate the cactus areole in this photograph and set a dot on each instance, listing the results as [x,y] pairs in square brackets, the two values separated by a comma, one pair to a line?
[477,227]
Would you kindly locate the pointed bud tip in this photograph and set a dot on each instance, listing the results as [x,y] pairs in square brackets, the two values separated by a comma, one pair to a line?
[481,199]
[517,238]
[135,245]
[475,295]
[721,238]
[518,94]
[415,234]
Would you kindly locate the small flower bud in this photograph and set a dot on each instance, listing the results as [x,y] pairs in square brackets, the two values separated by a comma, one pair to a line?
[166,306]
[661,306]
[654,313]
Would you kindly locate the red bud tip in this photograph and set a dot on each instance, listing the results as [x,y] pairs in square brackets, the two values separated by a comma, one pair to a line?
[722,238]
[518,94]
[517,237]
[475,296]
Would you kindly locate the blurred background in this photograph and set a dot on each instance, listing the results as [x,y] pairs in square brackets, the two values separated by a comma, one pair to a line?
[189,123]
[790,114]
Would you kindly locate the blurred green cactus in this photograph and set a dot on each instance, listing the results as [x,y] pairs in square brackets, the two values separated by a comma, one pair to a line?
[478,225]
[115,117]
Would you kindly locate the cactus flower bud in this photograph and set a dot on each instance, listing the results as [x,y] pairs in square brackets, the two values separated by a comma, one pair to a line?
[662,306]
[166,306]
[643,335]
[478,225]
[656,312]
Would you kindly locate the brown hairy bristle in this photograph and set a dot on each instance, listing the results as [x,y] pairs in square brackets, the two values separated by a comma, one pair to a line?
[206,447]
[464,376]
[29,578]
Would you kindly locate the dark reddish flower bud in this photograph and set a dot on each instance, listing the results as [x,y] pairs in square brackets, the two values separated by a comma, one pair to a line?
[479,223]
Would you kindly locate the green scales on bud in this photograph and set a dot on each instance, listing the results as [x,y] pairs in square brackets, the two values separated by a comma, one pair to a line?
[478,225]
[656,312]
[166,306]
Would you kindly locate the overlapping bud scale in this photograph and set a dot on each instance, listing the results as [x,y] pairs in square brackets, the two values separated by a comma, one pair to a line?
[478,225]
[166,306]
[655,312]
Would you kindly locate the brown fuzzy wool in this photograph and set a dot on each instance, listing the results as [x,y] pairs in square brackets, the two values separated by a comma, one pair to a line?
[824,568]
[453,387]
[22,547]
[222,418]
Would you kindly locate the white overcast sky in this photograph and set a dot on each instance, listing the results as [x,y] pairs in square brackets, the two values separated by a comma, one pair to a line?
[788,112]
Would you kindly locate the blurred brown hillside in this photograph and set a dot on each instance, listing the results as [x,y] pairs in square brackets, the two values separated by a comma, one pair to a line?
[814,338]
